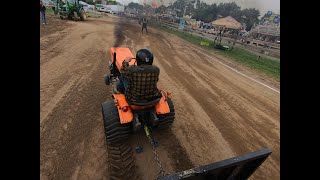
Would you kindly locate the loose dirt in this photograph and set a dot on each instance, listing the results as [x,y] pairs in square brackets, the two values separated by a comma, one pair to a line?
[219,113]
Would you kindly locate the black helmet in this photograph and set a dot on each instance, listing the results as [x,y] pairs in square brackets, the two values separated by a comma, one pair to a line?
[144,56]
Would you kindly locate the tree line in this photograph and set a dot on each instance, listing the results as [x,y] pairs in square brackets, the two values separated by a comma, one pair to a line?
[202,11]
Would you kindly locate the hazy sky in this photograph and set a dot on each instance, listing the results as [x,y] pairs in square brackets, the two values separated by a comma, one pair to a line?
[262,5]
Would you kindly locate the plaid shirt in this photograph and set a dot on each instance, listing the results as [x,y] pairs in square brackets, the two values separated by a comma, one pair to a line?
[142,83]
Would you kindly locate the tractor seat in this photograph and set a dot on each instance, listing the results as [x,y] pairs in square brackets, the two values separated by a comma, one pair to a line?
[145,103]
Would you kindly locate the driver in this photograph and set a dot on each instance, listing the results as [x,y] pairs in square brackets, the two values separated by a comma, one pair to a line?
[139,82]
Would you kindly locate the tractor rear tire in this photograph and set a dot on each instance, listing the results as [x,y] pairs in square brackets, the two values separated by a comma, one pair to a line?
[121,161]
[115,131]
[83,15]
[166,120]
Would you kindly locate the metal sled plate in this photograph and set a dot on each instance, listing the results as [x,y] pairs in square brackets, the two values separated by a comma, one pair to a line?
[240,167]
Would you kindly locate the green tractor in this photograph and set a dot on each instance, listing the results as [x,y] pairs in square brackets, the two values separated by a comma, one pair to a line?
[71,9]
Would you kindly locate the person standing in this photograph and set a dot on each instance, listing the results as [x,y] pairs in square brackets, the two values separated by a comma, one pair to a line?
[43,13]
[144,24]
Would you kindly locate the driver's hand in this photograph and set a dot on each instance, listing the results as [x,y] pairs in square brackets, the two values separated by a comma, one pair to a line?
[125,64]
[128,59]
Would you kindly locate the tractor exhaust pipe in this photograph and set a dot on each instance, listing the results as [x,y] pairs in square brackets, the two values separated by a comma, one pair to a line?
[112,65]
[114,58]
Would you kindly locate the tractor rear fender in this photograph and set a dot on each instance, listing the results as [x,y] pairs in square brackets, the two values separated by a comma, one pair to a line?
[125,113]
[162,107]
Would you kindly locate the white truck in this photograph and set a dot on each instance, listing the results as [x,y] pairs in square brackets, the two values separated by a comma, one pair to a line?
[114,9]
[101,8]
[86,6]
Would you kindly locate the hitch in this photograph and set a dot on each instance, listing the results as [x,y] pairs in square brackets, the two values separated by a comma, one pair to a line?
[154,119]
[136,123]
[139,149]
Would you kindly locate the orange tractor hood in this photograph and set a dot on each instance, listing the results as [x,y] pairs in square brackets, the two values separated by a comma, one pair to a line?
[119,54]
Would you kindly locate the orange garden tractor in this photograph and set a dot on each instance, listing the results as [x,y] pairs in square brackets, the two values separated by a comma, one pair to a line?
[122,118]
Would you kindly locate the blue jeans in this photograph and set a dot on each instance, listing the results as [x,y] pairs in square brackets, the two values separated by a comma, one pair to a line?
[43,17]
[122,85]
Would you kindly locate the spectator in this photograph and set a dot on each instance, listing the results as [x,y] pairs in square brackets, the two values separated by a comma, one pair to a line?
[43,13]
[144,24]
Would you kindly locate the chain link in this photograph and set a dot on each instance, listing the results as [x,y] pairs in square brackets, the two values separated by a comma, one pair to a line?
[161,172]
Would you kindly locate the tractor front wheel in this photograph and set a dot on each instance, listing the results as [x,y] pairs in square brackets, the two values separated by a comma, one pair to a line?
[115,131]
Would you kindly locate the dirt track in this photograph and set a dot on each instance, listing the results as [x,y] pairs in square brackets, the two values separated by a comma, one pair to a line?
[219,113]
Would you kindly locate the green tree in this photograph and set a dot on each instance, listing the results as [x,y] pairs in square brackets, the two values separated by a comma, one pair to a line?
[161,9]
[249,17]
[229,9]
[133,5]
[112,2]
[209,13]
[90,2]
[180,6]
[205,12]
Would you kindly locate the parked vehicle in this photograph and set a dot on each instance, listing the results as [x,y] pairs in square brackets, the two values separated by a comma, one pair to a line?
[86,6]
[110,12]
[114,9]
[101,8]
[71,9]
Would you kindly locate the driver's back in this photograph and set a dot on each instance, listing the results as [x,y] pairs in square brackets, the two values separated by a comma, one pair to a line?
[142,83]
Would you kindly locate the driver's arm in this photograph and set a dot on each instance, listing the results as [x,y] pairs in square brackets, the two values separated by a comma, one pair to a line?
[125,63]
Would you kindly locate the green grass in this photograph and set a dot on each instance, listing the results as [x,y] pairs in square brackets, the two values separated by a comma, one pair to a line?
[266,65]
[247,58]
[49,11]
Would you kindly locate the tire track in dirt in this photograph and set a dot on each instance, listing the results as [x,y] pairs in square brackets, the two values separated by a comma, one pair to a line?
[193,122]
[72,142]
[55,25]
[171,152]
[50,46]
[62,92]
[218,114]
[71,59]
[57,83]
[261,77]
[232,104]
[51,36]
[74,136]
[268,126]
[266,134]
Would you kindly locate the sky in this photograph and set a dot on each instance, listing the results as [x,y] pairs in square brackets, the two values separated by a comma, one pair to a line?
[262,5]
